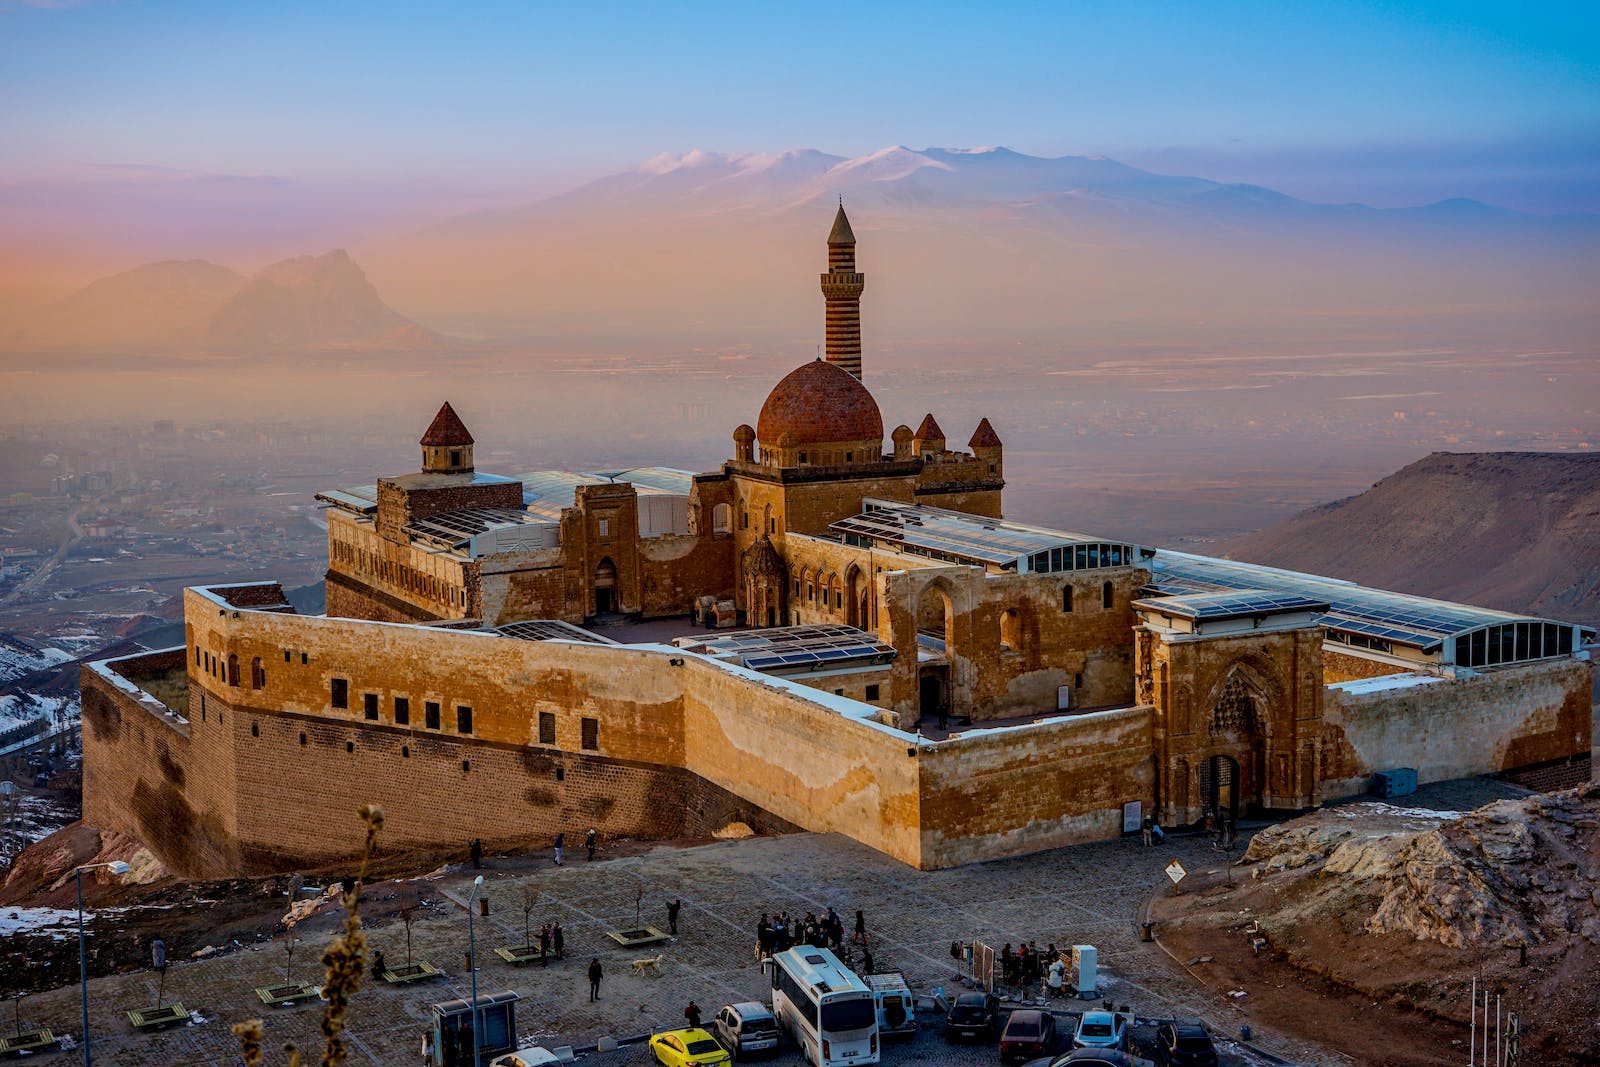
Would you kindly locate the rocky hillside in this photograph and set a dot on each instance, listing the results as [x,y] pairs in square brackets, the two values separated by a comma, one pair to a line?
[1351,891]
[1519,531]
[307,301]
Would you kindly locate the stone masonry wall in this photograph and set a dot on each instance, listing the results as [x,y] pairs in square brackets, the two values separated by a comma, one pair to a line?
[1498,720]
[996,793]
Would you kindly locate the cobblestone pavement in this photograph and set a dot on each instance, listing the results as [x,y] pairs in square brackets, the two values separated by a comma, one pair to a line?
[1090,894]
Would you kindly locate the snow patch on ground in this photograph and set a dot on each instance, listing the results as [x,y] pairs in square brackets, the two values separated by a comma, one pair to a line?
[1386,683]
[18,658]
[50,922]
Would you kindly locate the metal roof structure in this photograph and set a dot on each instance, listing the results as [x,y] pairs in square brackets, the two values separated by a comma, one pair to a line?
[550,630]
[1237,604]
[361,499]
[1414,621]
[811,647]
[455,530]
[963,538]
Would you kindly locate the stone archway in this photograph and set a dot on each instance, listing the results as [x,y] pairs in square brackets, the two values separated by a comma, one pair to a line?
[1237,718]
[605,587]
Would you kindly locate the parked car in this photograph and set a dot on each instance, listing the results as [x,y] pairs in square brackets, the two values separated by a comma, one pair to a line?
[1096,1057]
[1185,1044]
[1028,1034]
[692,1047]
[533,1056]
[1099,1029]
[971,1016]
[746,1028]
[897,1009]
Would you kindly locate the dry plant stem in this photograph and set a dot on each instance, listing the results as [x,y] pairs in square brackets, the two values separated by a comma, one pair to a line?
[344,959]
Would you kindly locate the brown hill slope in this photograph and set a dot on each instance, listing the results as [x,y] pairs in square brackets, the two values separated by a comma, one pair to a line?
[1519,531]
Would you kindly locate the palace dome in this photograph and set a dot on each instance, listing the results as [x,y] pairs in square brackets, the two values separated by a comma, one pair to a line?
[819,403]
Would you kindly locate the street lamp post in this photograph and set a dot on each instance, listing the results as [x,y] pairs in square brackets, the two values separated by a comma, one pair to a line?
[116,867]
[472,963]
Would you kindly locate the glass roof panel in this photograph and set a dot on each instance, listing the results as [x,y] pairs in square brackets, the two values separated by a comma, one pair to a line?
[1400,617]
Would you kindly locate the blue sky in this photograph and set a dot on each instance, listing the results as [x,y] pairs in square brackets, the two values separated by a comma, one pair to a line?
[1388,103]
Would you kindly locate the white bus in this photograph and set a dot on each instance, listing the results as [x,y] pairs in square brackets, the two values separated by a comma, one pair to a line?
[831,1014]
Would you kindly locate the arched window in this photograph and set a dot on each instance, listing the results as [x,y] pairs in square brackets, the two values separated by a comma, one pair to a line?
[720,518]
[1107,596]
[1011,630]
[258,674]
[233,669]
[1066,598]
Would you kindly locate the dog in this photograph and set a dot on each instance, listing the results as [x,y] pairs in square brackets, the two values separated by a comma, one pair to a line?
[650,964]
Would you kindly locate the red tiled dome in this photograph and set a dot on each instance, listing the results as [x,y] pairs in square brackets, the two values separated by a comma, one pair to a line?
[819,403]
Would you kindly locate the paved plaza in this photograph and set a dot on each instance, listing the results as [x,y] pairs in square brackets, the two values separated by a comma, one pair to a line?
[1090,894]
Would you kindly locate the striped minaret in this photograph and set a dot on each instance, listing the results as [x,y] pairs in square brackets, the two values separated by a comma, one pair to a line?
[841,289]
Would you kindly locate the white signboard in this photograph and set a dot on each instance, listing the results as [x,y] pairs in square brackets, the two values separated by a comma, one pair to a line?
[1132,816]
[1176,872]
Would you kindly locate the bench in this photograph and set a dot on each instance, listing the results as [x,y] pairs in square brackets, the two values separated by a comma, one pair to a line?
[28,1041]
[521,955]
[158,1017]
[411,972]
[285,994]
[640,935]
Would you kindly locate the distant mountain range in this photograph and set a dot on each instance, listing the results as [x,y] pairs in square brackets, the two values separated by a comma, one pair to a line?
[1518,531]
[308,301]
[978,241]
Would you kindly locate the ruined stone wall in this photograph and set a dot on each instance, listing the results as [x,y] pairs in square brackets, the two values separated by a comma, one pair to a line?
[1500,719]
[1004,665]
[996,793]
[678,568]
[390,580]
[529,585]
[1343,667]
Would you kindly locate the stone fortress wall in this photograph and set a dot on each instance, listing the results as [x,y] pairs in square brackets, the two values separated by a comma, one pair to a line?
[647,741]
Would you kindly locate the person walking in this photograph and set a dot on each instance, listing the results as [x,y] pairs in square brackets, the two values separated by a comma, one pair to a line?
[475,850]
[544,945]
[860,937]
[558,940]
[672,914]
[588,843]
[595,974]
[1147,832]
[560,840]
[866,961]
[692,1013]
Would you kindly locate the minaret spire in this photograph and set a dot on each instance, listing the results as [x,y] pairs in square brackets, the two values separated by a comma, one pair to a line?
[841,291]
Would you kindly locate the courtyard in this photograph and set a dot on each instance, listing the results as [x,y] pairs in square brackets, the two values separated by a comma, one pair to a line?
[1091,894]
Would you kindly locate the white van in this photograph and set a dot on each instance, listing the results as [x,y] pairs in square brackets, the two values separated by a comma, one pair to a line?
[746,1028]
[897,1008]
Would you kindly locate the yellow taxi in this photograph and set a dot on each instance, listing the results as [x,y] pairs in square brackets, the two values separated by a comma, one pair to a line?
[687,1048]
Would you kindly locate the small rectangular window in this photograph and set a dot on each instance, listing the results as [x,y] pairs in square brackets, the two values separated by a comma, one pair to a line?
[304,658]
[340,693]
[463,719]
[369,701]
[547,727]
[286,655]
[605,527]
[430,714]
[872,693]
[591,734]
[402,711]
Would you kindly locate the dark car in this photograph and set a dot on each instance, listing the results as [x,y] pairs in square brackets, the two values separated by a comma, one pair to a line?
[971,1016]
[1185,1045]
[1097,1057]
[1028,1034]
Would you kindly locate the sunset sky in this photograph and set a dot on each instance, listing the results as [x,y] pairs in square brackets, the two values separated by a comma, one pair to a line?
[457,104]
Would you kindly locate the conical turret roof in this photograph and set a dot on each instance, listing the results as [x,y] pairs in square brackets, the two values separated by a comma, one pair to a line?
[984,436]
[447,429]
[929,430]
[841,234]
